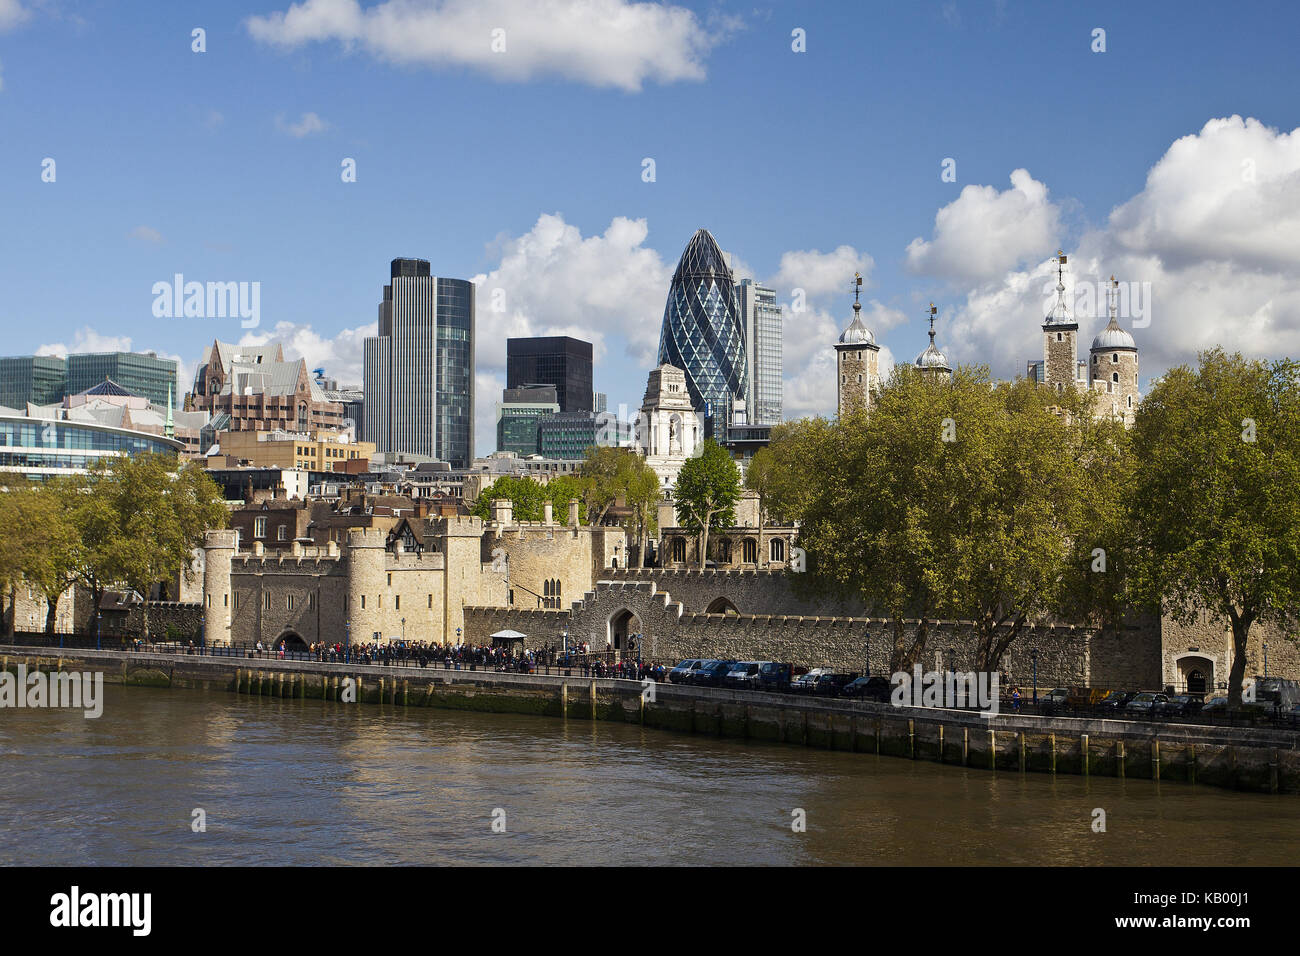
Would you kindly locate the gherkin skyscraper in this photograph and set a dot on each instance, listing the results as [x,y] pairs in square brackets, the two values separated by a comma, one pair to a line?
[702,333]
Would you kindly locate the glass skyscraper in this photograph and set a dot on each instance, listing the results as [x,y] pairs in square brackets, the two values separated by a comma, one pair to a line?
[557,360]
[702,333]
[761,317]
[418,372]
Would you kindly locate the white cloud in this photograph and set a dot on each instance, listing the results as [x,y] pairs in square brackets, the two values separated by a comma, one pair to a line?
[820,273]
[306,125]
[12,13]
[1230,193]
[88,340]
[983,233]
[1218,253]
[146,234]
[601,42]
[552,281]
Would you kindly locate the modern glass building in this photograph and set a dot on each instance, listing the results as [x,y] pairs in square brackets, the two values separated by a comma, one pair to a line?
[139,373]
[566,435]
[702,333]
[557,360]
[39,448]
[761,317]
[39,379]
[418,372]
[521,410]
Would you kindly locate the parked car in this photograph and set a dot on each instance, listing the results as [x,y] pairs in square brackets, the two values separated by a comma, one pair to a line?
[1114,702]
[804,683]
[1180,705]
[1055,697]
[775,675]
[869,688]
[744,675]
[1144,704]
[681,673]
[711,673]
[1215,705]
[830,683]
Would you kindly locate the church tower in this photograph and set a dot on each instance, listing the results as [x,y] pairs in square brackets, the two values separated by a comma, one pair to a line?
[856,361]
[1060,339]
[932,363]
[1113,369]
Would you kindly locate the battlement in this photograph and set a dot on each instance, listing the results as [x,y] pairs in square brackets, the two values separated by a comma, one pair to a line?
[712,574]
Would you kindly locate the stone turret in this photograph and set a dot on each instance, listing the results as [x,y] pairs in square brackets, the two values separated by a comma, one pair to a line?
[857,358]
[219,549]
[366,584]
[573,513]
[503,511]
[1060,339]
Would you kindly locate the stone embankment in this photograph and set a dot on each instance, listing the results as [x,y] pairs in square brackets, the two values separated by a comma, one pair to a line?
[1254,759]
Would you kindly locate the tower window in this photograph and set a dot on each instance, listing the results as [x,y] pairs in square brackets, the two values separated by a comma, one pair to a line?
[1114,376]
[1114,358]
[1060,337]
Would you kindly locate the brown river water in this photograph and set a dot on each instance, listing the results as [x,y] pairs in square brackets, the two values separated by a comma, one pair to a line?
[317,783]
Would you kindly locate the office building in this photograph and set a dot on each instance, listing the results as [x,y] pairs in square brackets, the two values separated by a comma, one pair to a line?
[253,388]
[760,316]
[556,360]
[418,372]
[140,373]
[521,410]
[39,379]
[702,334]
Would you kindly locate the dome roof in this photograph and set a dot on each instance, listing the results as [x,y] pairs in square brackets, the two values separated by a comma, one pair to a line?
[857,333]
[933,358]
[1113,337]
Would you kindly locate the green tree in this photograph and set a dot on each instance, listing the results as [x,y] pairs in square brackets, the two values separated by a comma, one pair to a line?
[949,499]
[794,445]
[1217,494]
[708,487]
[603,472]
[50,560]
[141,520]
[526,493]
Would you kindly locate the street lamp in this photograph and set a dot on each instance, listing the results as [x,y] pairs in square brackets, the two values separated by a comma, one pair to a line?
[99,617]
[347,640]
[403,630]
[1033,656]
[952,669]
[1266,659]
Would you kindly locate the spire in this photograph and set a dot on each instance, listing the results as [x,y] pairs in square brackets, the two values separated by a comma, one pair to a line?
[857,333]
[1060,313]
[169,429]
[932,359]
[1112,303]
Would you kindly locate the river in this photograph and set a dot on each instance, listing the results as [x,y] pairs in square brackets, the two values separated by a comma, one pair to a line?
[313,782]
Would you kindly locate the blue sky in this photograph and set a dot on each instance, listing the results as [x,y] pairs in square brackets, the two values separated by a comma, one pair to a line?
[525,167]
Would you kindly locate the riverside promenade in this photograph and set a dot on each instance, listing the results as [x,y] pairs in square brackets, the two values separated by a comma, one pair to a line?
[1253,759]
